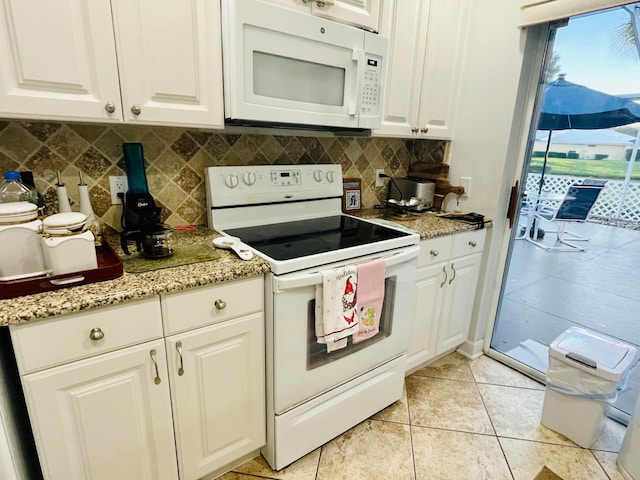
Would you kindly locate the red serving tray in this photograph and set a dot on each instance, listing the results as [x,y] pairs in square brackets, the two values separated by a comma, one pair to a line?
[109,267]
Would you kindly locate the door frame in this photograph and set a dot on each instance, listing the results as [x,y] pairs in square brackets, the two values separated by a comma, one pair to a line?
[528,101]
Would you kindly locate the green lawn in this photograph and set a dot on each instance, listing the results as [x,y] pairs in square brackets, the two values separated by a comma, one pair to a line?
[605,169]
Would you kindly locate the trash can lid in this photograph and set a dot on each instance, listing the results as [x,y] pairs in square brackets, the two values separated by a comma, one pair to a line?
[604,356]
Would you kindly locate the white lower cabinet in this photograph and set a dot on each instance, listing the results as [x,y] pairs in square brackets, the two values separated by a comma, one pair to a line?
[217,380]
[144,406]
[105,417]
[447,279]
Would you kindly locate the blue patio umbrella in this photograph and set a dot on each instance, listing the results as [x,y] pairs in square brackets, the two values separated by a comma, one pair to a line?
[567,105]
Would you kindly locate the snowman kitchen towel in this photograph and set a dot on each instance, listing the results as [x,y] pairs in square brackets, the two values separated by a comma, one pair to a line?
[336,316]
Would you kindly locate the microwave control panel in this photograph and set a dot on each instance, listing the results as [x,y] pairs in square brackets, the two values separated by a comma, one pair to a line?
[371,86]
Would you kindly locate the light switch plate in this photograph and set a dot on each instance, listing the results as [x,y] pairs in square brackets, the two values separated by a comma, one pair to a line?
[466,183]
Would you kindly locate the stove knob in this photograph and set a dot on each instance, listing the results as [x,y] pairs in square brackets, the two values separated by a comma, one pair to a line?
[330,176]
[231,181]
[249,178]
[318,175]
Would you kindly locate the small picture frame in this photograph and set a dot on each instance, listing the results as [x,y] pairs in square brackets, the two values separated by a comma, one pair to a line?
[351,198]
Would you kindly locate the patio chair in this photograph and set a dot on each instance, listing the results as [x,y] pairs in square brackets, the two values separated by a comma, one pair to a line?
[574,208]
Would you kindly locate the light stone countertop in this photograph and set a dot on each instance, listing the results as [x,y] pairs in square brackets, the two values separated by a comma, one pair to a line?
[428,225]
[133,286]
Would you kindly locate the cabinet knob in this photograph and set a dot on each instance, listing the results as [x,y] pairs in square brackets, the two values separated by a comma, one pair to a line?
[96,334]
[415,130]
[110,107]
[434,253]
[135,109]
[472,243]
[424,130]
[220,304]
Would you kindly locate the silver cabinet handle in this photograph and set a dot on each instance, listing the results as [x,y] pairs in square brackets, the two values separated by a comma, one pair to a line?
[444,270]
[155,363]
[135,109]
[415,130]
[472,243]
[179,349]
[424,130]
[96,334]
[110,107]
[434,253]
[453,269]
[220,304]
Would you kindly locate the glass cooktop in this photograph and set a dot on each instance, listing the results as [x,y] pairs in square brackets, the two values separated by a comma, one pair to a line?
[289,240]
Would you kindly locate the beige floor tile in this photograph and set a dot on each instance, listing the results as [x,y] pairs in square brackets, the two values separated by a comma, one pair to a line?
[444,455]
[303,469]
[611,436]
[526,459]
[240,476]
[453,366]
[515,413]
[396,412]
[370,450]
[448,404]
[488,370]
[607,461]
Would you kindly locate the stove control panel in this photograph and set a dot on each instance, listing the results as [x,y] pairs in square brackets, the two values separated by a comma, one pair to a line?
[285,177]
[258,184]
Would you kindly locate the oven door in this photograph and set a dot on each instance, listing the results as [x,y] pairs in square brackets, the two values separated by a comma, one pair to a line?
[298,367]
[289,67]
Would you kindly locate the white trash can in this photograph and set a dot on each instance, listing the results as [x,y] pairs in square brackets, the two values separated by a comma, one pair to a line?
[629,457]
[586,372]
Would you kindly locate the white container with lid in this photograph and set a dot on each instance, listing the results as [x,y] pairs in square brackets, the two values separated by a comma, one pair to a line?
[21,254]
[586,371]
[68,245]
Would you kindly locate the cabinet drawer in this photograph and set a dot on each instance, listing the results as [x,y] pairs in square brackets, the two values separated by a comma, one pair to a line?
[434,250]
[212,304]
[43,344]
[468,242]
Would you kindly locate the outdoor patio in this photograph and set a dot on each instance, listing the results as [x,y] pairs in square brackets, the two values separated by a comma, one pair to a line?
[550,291]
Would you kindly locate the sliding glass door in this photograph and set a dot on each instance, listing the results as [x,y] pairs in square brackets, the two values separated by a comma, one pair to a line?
[594,281]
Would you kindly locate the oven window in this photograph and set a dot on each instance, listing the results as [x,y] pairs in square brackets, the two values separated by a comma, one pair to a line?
[317,355]
[276,76]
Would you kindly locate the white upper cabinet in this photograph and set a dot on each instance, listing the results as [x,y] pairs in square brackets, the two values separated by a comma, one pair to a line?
[169,61]
[360,13]
[426,48]
[58,60]
[139,62]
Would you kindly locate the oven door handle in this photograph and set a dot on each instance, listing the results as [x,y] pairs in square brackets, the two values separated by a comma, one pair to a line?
[314,277]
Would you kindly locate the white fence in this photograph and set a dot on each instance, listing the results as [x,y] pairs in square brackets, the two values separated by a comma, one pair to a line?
[606,207]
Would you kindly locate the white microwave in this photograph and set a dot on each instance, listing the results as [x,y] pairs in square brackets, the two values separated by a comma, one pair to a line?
[289,68]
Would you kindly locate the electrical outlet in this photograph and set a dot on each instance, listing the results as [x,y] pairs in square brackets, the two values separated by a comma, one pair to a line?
[466,183]
[379,179]
[118,184]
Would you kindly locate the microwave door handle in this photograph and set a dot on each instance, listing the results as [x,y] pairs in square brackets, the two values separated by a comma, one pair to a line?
[358,57]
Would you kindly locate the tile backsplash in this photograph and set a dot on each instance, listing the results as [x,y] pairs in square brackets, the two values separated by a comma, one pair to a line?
[176,157]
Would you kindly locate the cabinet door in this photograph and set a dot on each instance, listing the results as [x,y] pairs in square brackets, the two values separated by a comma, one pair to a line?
[458,302]
[104,417]
[404,23]
[218,400]
[430,283]
[170,61]
[58,60]
[361,13]
[442,66]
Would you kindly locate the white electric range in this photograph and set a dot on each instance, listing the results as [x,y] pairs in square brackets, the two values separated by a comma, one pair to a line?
[291,215]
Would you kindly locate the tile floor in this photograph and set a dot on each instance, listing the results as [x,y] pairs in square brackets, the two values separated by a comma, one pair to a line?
[459,419]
